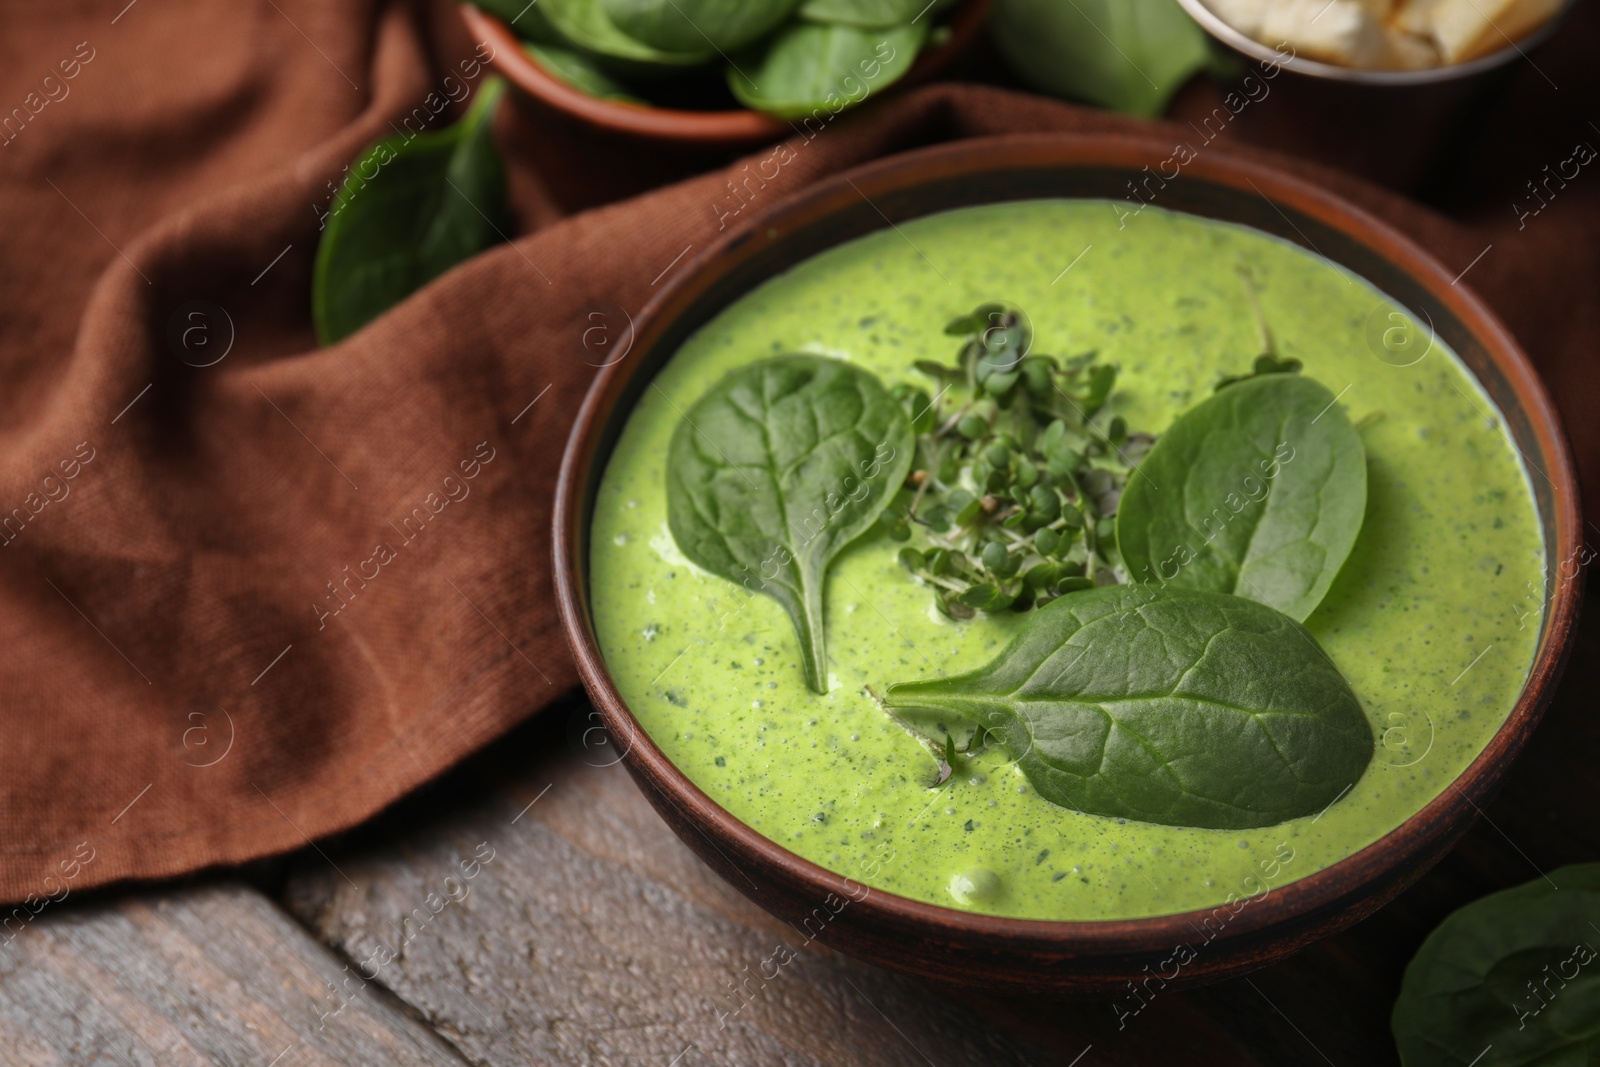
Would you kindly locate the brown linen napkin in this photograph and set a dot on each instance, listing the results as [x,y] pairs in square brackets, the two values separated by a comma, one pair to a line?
[254,590]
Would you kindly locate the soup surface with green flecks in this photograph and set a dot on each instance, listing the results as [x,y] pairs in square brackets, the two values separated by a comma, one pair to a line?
[1433,619]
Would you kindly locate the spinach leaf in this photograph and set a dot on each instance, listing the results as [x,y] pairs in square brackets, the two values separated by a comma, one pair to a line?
[1164,705]
[587,27]
[775,470]
[871,14]
[1128,55]
[1259,490]
[808,67]
[411,208]
[698,25]
[1517,970]
[578,71]
[525,19]
[1264,364]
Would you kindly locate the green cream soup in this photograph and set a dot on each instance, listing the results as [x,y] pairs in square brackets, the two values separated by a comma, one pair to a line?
[1431,619]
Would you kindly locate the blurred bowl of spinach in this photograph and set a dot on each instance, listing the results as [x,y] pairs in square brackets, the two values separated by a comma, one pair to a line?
[718,73]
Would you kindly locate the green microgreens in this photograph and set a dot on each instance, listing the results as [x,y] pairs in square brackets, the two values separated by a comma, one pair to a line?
[1018,469]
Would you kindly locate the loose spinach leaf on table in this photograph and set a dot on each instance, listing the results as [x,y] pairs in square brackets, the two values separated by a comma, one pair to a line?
[410,209]
[871,14]
[1160,704]
[1516,970]
[775,470]
[1129,55]
[806,67]
[696,25]
[1259,490]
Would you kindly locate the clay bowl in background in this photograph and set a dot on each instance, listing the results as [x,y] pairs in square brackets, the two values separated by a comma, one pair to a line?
[1024,955]
[702,129]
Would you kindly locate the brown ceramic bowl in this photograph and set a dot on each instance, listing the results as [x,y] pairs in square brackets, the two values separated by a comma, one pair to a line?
[1021,955]
[706,129]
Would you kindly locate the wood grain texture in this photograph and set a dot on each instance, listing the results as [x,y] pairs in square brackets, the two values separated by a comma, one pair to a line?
[594,936]
[193,976]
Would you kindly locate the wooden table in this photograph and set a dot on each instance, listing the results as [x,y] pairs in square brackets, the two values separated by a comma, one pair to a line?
[538,912]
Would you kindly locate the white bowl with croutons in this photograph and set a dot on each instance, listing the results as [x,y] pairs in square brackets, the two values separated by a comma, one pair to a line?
[1380,42]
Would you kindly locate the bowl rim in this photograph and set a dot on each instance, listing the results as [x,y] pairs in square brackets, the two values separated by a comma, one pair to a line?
[704,128]
[1326,891]
[1248,46]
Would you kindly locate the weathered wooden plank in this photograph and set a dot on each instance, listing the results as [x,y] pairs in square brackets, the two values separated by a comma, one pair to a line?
[588,934]
[193,976]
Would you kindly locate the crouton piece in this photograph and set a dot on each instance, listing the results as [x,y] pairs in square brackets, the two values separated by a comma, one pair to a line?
[1467,29]
[1408,51]
[1414,17]
[1334,31]
[1242,15]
